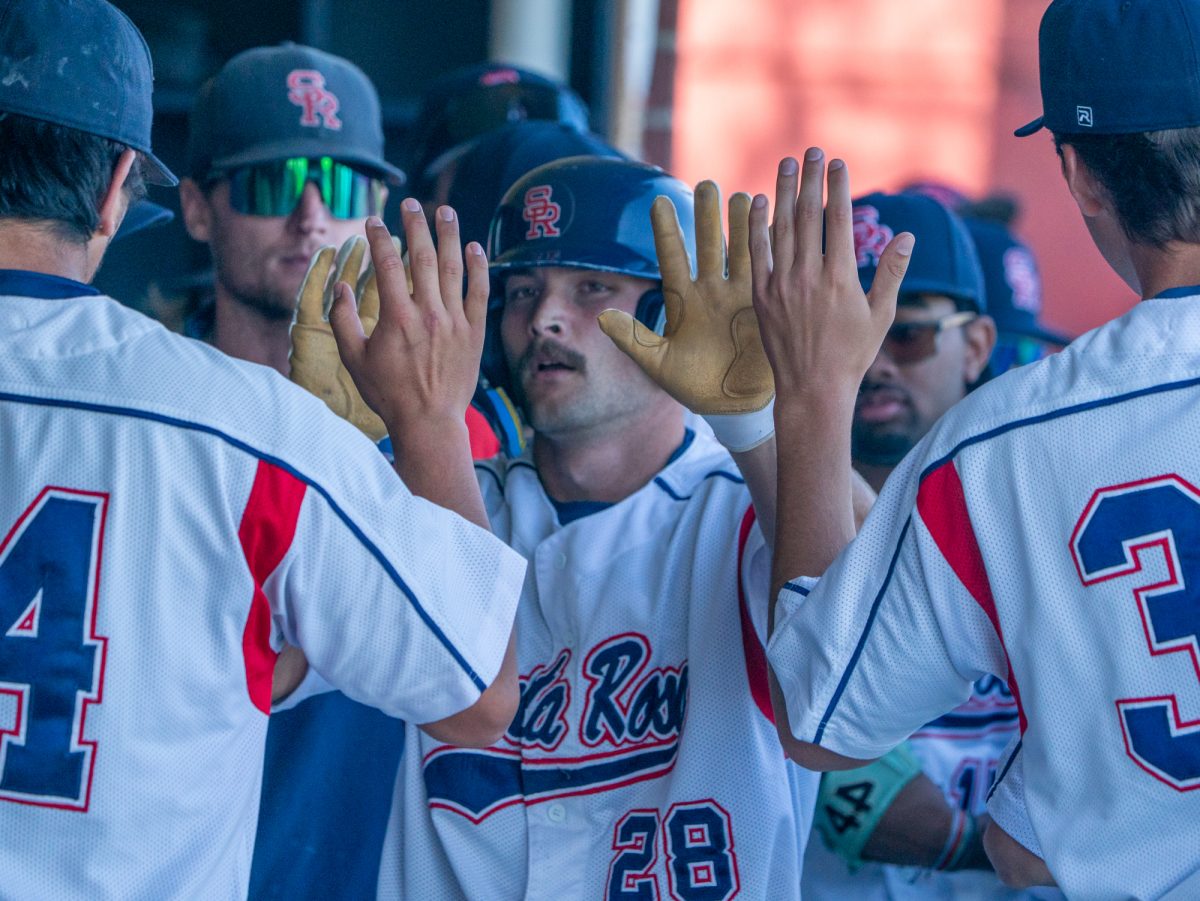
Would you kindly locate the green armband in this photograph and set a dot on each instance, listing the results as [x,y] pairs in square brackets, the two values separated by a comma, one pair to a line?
[851,803]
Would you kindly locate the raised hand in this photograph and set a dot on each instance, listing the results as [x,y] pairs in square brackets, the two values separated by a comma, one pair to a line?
[711,357]
[820,330]
[316,365]
[408,352]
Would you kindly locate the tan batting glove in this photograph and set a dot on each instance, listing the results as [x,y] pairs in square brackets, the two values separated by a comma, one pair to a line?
[316,365]
[711,357]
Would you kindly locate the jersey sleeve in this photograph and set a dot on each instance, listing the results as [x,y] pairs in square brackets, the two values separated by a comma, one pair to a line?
[398,603]
[1006,802]
[897,630]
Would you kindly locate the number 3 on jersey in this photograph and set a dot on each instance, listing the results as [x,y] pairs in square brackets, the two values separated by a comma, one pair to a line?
[697,843]
[51,660]
[1123,530]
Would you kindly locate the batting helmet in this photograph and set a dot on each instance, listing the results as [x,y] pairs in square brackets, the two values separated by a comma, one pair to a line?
[583,212]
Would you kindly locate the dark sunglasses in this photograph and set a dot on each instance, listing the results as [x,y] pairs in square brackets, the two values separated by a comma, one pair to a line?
[911,342]
[275,188]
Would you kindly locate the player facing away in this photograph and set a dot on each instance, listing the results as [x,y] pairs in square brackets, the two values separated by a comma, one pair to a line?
[1042,531]
[642,759]
[920,808]
[172,515]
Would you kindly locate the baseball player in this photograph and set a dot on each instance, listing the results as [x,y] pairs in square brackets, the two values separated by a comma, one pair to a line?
[171,516]
[642,760]
[921,805]
[1039,533]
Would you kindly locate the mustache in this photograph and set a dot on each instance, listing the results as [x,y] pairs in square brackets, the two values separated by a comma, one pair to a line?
[872,387]
[549,350]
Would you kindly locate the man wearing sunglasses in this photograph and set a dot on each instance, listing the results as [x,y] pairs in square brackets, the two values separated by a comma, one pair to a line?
[910,824]
[286,155]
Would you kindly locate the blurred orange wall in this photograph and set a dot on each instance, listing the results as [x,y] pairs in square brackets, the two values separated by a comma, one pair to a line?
[926,89]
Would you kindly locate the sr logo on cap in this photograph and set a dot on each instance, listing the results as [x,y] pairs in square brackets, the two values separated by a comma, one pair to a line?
[306,89]
[541,213]
[871,236]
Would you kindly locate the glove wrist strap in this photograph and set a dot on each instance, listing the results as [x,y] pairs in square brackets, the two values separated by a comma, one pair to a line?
[741,432]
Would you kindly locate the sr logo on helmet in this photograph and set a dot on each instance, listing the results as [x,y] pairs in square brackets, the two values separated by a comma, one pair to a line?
[541,212]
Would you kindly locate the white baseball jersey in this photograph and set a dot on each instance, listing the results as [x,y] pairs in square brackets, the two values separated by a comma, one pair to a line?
[960,752]
[168,516]
[642,762]
[1046,531]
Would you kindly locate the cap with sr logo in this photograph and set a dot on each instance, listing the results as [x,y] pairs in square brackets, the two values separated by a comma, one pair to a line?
[944,260]
[1012,282]
[273,103]
[1118,66]
[83,65]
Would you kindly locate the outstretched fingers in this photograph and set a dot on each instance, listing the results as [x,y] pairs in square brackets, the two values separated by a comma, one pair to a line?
[450,259]
[389,270]
[739,236]
[885,289]
[479,286]
[310,303]
[644,346]
[347,327]
[783,228]
[710,239]
[761,262]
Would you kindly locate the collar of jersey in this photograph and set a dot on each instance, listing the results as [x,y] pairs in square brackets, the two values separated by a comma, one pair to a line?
[1184,291]
[23,283]
[569,511]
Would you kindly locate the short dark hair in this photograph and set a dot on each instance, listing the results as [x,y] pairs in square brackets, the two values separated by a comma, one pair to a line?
[54,174]
[1152,179]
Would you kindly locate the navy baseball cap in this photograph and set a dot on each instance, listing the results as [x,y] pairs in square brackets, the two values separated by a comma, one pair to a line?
[80,64]
[1012,282]
[460,107]
[944,260]
[141,216]
[499,158]
[274,103]
[1118,66]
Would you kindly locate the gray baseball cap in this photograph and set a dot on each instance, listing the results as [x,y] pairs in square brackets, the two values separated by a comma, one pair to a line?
[80,64]
[272,103]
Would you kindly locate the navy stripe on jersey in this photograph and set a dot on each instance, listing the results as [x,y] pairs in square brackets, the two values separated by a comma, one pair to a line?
[862,639]
[286,467]
[1084,407]
[972,721]
[475,784]
[661,483]
[1007,766]
[796,588]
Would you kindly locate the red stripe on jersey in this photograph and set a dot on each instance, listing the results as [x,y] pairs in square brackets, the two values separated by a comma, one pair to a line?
[268,526]
[756,658]
[943,509]
[484,443]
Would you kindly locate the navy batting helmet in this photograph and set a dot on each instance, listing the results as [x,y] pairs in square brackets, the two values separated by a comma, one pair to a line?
[583,212]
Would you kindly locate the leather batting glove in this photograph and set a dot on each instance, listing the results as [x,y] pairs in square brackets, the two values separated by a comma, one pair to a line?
[316,365]
[710,357]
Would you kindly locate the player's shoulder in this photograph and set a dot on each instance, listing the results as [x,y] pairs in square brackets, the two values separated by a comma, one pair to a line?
[1153,349]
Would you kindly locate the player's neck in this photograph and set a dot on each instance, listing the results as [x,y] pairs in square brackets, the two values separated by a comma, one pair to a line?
[613,464]
[1178,266]
[34,247]
[242,332]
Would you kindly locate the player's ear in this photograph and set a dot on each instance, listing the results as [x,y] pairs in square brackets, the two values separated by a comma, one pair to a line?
[1082,183]
[114,202]
[197,211]
[980,335]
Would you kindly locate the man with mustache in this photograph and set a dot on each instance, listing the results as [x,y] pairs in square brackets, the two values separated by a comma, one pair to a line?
[642,761]
[911,824]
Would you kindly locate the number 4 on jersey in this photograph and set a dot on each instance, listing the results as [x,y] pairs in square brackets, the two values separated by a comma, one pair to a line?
[1123,530]
[51,660]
